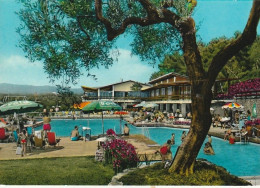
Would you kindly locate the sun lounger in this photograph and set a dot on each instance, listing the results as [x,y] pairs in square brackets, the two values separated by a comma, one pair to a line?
[52,139]
[3,137]
[38,138]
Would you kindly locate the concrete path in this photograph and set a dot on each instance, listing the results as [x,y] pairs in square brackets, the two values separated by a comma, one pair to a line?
[65,148]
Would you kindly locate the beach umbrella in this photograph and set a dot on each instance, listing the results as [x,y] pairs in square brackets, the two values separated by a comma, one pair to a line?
[140,105]
[81,105]
[150,105]
[2,125]
[19,107]
[232,105]
[100,106]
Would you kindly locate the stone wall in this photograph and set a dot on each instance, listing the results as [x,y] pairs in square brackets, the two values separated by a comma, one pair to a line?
[248,105]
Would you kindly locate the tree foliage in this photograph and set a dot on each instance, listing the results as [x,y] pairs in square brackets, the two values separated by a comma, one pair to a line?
[136,86]
[243,66]
[65,36]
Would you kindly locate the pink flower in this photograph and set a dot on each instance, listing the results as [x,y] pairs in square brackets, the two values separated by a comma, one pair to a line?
[111,132]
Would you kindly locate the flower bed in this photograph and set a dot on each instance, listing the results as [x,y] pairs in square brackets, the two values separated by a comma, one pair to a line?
[241,89]
[182,122]
[120,153]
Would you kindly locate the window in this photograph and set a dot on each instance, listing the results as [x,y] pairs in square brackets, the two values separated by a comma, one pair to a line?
[119,94]
[180,90]
[170,90]
[163,91]
[152,93]
[157,92]
[188,90]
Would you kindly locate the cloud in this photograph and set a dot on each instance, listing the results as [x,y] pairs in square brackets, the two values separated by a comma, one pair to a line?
[17,69]
[127,68]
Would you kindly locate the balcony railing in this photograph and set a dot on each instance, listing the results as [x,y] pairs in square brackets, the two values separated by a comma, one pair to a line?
[156,98]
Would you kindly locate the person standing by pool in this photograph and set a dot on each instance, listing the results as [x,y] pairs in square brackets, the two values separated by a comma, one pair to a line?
[183,136]
[126,130]
[173,139]
[209,139]
[75,134]
[46,124]
[23,137]
[165,150]
[248,115]
[232,138]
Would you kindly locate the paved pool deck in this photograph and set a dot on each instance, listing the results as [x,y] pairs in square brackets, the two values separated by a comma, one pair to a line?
[68,148]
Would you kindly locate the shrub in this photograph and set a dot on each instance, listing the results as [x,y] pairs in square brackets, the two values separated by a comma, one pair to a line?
[111,132]
[121,154]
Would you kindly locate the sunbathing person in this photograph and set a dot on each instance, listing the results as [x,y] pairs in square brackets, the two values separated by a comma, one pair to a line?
[75,134]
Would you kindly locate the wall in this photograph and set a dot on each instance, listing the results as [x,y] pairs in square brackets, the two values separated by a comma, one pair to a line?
[248,105]
[126,86]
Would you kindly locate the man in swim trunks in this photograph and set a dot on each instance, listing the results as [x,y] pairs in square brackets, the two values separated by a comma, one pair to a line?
[75,134]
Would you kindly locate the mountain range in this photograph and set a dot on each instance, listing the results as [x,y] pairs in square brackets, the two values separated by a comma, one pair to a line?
[6,88]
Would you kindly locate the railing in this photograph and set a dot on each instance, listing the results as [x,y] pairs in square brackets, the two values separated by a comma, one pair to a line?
[156,98]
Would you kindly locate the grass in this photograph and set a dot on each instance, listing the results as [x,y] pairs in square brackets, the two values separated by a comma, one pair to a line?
[204,175]
[55,171]
[86,171]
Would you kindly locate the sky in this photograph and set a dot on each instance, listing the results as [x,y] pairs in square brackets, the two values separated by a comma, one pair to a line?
[216,19]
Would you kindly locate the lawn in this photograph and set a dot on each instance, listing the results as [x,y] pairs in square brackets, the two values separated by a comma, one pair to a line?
[204,174]
[86,171]
[55,171]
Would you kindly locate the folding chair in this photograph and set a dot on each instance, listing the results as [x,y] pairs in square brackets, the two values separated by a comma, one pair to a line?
[52,139]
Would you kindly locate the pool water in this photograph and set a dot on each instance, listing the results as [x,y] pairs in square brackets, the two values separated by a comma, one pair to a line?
[239,159]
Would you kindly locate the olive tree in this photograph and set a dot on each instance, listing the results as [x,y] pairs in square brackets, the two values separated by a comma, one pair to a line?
[70,34]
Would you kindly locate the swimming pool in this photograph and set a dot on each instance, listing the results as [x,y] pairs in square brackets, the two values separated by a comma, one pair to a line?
[239,159]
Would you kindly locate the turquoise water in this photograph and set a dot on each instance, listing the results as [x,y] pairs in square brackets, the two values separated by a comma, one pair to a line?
[238,159]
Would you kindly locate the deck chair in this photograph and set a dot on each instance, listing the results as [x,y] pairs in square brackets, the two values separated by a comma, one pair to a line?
[38,139]
[3,137]
[52,139]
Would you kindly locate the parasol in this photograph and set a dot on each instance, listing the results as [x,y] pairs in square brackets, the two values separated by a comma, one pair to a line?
[100,106]
[19,107]
[232,105]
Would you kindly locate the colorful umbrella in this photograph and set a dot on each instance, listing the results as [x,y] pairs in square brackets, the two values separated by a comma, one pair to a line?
[81,105]
[232,105]
[19,107]
[100,106]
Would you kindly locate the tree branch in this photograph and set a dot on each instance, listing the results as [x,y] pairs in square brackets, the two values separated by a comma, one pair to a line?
[80,26]
[152,18]
[248,36]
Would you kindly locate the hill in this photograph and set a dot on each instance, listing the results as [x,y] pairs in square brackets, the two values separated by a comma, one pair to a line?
[6,88]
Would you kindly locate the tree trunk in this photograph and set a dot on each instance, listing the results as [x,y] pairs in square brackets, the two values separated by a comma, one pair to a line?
[200,124]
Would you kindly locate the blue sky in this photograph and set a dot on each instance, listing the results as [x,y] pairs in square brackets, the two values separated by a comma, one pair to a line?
[216,18]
